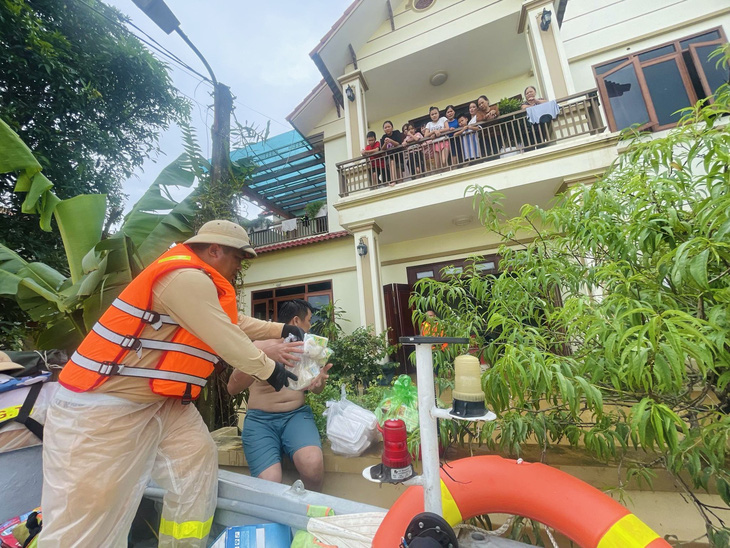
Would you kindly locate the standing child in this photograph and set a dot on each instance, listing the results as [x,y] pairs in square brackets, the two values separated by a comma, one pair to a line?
[438,148]
[469,143]
[378,169]
[415,152]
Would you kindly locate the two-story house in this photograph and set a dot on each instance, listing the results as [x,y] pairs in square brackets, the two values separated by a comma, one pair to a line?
[392,219]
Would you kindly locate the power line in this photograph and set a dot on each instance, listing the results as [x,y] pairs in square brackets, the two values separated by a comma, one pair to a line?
[155,46]
[162,50]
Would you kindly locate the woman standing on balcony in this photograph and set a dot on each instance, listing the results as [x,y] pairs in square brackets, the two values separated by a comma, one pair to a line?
[438,148]
[454,144]
[391,143]
[484,113]
[531,98]
[535,133]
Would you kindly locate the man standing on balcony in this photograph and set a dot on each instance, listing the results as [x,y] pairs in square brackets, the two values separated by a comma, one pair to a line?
[280,422]
[120,416]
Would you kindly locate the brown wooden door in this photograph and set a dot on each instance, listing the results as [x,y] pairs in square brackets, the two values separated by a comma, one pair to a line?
[398,317]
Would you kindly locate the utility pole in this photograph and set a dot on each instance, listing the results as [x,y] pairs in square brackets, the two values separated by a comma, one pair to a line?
[220,179]
[220,173]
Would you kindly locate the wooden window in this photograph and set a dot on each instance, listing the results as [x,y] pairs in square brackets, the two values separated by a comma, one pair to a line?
[266,303]
[649,87]
[441,271]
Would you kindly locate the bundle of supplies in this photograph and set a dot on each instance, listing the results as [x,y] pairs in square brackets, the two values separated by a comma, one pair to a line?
[350,428]
[401,402]
[15,532]
[315,356]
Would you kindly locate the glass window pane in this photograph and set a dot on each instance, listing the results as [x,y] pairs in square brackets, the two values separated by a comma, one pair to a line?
[485,266]
[716,76]
[293,290]
[319,286]
[708,36]
[624,94]
[609,66]
[259,311]
[667,90]
[653,54]
[317,302]
[424,274]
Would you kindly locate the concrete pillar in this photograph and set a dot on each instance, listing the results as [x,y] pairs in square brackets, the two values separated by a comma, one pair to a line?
[370,286]
[356,119]
[546,50]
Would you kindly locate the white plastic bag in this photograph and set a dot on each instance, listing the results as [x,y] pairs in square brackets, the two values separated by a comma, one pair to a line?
[347,530]
[350,428]
[314,358]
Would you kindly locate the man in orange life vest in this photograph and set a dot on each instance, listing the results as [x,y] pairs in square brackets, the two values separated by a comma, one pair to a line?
[121,415]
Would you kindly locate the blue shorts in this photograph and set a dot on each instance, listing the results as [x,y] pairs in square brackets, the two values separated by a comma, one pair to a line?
[267,435]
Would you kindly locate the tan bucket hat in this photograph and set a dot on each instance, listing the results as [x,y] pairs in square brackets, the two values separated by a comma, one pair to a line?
[223,233]
[6,364]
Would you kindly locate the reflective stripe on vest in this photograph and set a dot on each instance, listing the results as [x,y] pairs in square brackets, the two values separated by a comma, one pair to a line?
[105,350]
[134,343]
[109,369]
[148,316]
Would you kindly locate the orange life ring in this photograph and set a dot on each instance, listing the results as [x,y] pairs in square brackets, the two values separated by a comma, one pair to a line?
[491,484]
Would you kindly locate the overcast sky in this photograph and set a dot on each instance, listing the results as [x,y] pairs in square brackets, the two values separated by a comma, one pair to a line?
[259,49]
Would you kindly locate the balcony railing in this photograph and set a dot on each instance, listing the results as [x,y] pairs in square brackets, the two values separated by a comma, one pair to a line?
[504,136]
[275,234]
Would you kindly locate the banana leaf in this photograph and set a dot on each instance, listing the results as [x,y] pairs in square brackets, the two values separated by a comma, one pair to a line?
[80,222]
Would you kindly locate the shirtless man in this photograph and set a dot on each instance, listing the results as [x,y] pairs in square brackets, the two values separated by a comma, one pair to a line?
[280,422]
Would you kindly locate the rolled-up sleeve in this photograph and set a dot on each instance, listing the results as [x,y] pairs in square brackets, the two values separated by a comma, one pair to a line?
[191,299]
[258,330]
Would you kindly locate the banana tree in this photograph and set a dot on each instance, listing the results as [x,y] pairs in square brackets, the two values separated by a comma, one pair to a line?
[99,268]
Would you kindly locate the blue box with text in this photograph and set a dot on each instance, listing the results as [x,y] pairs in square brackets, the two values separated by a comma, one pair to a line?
[265,535]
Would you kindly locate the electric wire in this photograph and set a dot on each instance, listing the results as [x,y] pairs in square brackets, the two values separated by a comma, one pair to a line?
[152,44]
[156,46]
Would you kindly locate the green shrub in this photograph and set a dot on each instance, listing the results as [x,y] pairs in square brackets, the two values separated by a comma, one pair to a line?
[358,357]
[509,104]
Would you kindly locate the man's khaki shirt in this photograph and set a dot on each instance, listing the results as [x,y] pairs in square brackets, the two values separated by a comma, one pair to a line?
[190,298]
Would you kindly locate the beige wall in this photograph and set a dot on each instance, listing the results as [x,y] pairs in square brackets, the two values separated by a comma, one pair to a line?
[415,31]
[329,260]
[335,150]
[596,30]
[398,256]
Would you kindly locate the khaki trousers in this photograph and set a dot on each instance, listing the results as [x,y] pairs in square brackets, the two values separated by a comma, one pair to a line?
[99,452]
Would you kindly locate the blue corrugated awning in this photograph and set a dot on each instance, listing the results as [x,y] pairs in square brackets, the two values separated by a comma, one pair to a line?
[290,172]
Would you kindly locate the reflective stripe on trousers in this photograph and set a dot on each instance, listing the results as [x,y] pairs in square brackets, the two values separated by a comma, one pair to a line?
[99,454]
[186,529]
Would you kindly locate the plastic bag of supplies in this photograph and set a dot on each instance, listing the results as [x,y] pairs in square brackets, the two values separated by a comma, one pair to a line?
[400,403]
[350,428]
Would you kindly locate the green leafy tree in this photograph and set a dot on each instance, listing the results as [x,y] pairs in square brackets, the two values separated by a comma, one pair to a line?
[87,97]
[66,306]
[610,330]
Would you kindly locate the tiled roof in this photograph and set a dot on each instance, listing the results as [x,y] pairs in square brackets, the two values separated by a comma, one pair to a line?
[302,241]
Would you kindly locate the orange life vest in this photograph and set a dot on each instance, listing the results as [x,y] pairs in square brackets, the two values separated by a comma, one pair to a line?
[432,330]
[185,361]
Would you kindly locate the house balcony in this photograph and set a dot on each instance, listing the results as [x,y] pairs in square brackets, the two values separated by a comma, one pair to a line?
[276,234]
[509,135]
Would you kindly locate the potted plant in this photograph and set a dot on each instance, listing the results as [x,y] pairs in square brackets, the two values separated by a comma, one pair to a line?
[509,104]
[312,208]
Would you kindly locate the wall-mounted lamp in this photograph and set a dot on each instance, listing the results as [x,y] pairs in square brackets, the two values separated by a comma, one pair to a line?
[362,249]
[350,93]
[545,19]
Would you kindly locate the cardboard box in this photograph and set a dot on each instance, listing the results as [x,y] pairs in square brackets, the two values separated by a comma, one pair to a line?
[230,450]
[266,535]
